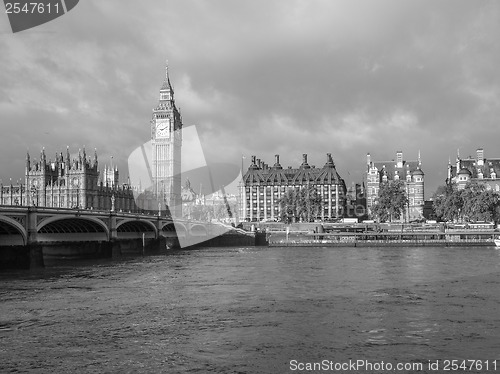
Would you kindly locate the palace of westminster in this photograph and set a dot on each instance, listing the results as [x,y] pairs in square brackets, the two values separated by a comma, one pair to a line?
[66,182]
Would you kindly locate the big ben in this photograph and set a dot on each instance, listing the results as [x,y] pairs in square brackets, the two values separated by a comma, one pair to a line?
[166,140]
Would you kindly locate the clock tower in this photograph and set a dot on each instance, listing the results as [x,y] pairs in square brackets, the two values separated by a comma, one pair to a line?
[166,140]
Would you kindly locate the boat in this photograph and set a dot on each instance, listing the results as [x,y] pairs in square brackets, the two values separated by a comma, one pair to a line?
[497,241]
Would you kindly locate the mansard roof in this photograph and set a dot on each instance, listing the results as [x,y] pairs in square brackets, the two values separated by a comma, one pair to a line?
[259,172]
[489,169]
[390,168]
[254,173]
[277,176]
[328,174]
[304,173]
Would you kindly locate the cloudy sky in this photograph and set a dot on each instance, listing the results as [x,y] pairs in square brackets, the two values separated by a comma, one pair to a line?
[259,77]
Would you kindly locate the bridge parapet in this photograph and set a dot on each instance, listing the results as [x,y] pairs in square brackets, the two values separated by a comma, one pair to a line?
[35,227]
[29,225]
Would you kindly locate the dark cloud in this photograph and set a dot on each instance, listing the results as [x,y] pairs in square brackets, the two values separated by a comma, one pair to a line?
[260,77]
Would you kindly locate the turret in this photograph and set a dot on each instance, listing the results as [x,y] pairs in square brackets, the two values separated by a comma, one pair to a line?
[28,163]
[464,176]
[68,160]
[84,157]
[43,159]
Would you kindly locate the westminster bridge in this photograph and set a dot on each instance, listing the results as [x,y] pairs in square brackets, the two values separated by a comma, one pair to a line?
[36,236]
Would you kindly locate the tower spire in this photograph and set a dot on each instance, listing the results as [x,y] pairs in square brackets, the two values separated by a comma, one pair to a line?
[166,83]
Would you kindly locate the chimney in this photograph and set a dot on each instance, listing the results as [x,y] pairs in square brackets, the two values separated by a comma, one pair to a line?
[304,162]
[399,159]
[480,156]
[277,162]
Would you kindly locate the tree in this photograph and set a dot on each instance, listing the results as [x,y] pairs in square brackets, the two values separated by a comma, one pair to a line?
[302,204]
[220,210]
[479,204]
[473,203]
[448,203]
[288,205]
[391,201]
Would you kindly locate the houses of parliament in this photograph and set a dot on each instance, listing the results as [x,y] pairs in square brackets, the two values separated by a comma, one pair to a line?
[76,182]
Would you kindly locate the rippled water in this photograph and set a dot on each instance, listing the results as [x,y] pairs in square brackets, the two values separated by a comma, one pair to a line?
[253,310]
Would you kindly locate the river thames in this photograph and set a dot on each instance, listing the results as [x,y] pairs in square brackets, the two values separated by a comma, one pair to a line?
[256,310]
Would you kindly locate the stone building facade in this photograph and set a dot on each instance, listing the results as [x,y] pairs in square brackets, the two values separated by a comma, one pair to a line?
[264,185]
[166,141]
[480,169]
[409,172]
[66,182]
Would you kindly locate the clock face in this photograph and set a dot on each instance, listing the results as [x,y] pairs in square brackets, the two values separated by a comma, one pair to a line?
[163,128]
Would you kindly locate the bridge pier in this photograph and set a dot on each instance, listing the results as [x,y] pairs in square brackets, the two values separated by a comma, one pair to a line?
[34,248]
[36,256]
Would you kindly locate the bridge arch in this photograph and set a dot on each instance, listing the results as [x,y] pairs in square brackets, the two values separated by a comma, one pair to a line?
[135,228]
[12,230]
[64,228]
[168,230]
[176,227]
[198,230]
